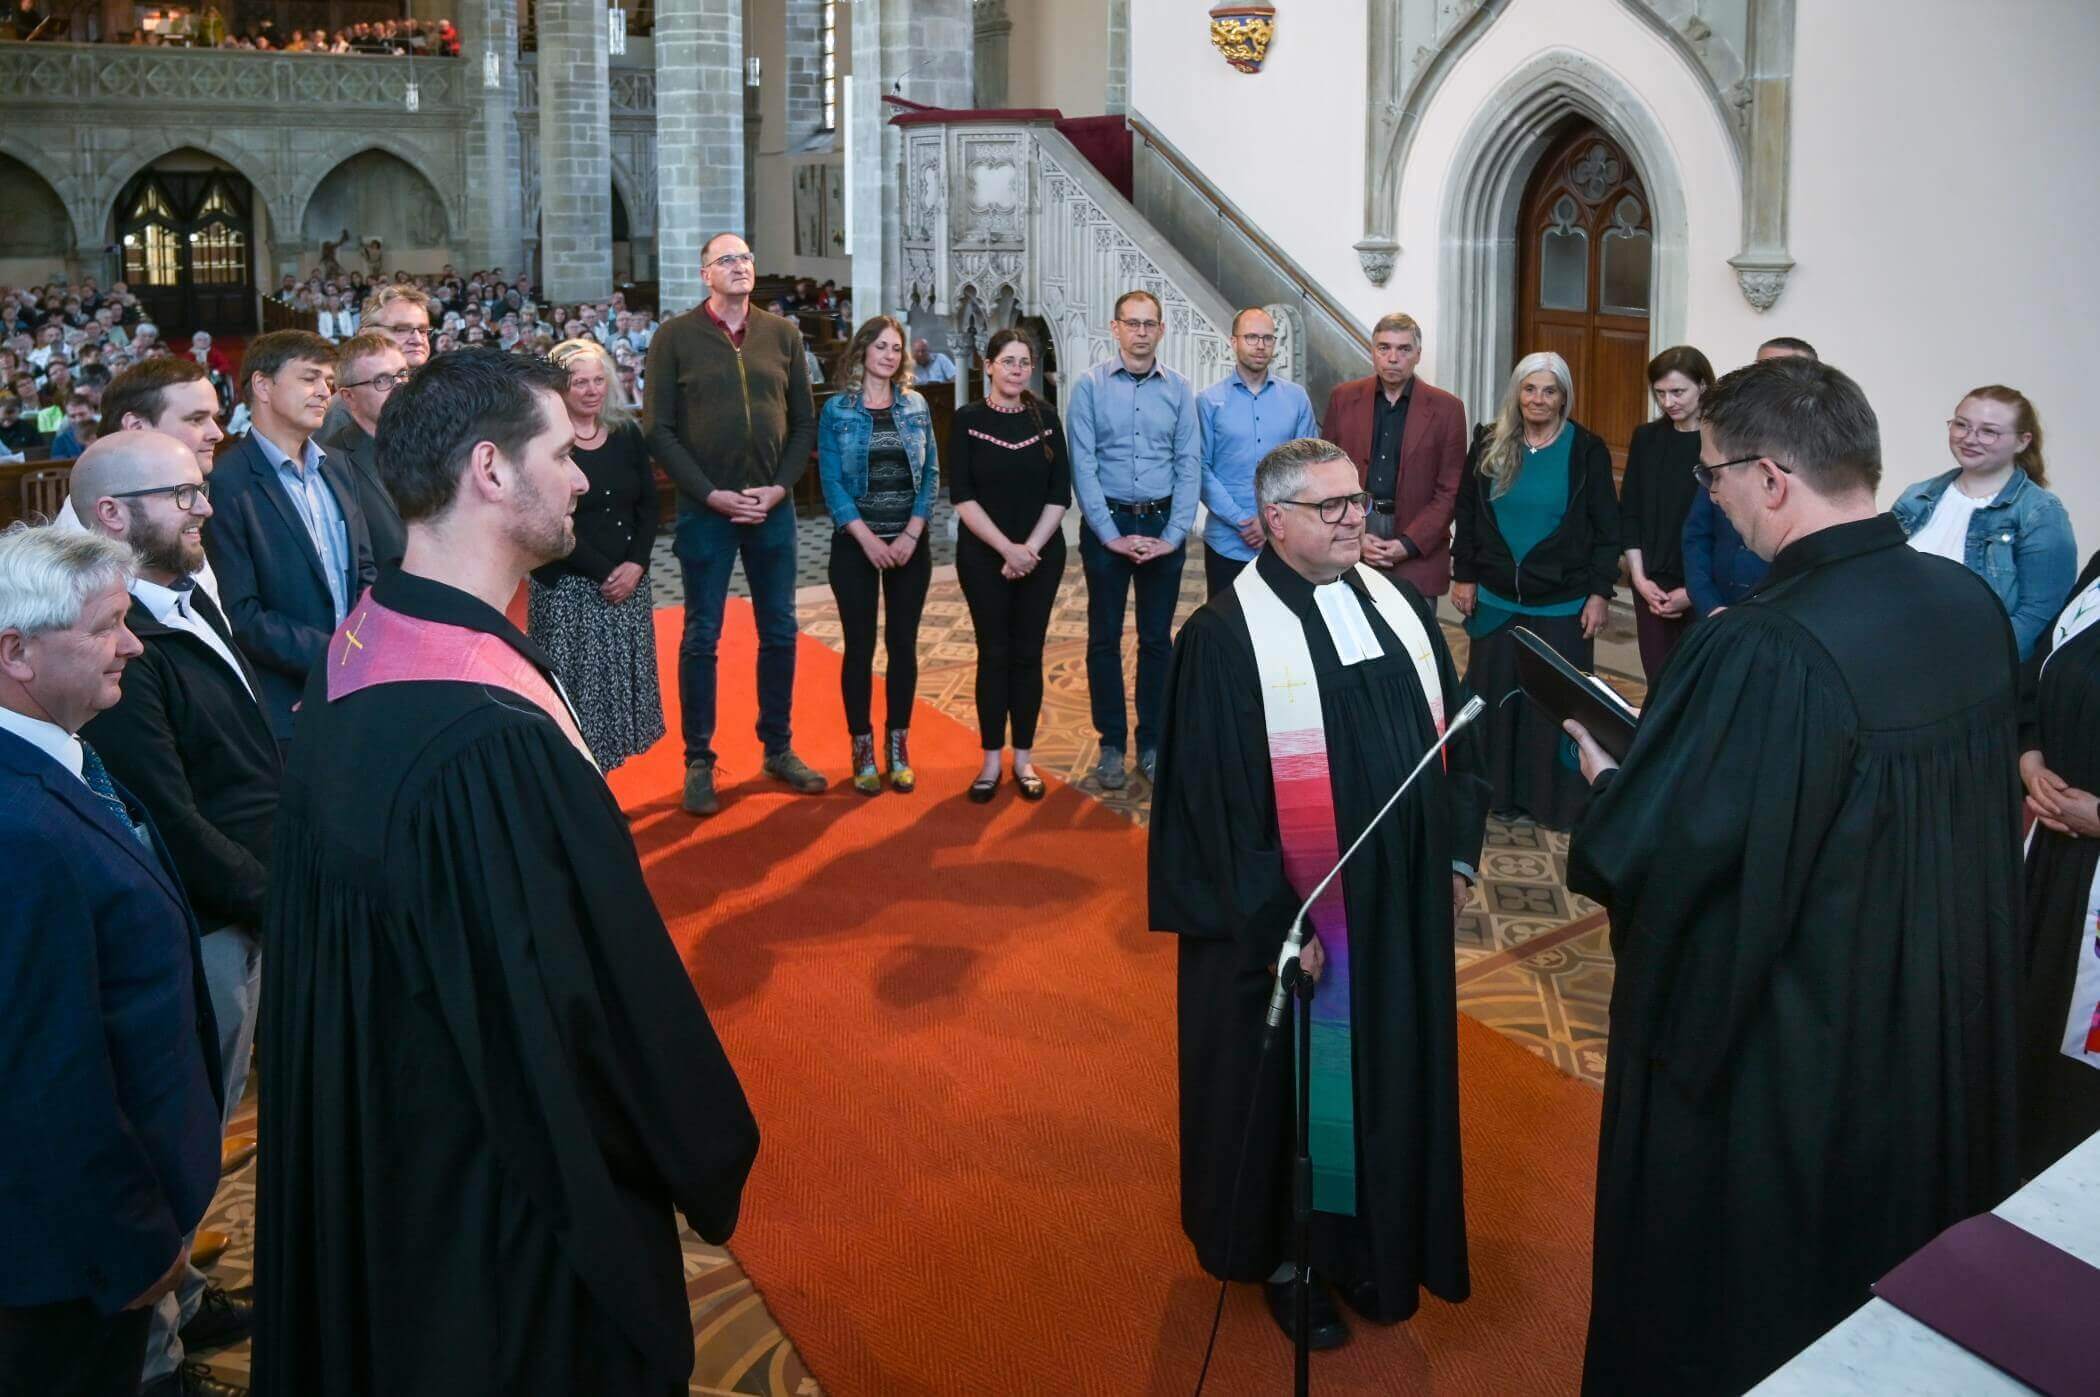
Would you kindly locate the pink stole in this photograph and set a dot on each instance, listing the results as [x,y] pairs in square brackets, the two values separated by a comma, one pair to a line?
[375,646]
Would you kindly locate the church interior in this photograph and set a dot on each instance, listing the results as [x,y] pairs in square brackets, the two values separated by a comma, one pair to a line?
[954,1024]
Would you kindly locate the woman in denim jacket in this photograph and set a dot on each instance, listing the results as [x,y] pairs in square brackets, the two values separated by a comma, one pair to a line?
[875,461]
[1991,513]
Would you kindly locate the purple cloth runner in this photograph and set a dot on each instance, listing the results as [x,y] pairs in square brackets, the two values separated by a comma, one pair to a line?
[2008,1297]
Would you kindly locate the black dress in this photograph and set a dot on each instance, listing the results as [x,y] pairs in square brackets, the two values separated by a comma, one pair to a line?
[1654,499]
[2059,1097]
[1811,860]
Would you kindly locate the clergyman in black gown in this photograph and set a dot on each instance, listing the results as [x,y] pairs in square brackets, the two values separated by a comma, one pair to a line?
[1811,861]
[490,1084]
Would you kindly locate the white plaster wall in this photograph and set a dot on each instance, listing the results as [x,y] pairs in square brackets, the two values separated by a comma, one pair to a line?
[1939,201]
[1057,55]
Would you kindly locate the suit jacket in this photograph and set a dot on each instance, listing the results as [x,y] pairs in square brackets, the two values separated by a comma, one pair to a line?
[107,1045]
[197,750]
[346,441]
[270,581]
[1432,459]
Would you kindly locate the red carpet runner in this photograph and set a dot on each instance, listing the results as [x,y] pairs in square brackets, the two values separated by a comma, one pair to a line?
[959,1040]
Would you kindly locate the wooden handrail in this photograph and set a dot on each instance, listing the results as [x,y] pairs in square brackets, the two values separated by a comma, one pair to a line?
[1282,261]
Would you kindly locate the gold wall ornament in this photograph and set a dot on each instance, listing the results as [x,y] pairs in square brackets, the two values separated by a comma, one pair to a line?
[1242,33]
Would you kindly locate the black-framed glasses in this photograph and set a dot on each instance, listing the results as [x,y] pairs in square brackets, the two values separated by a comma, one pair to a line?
[1705,474]
[185,495]
[405,332]
[1335,508]
[385,383]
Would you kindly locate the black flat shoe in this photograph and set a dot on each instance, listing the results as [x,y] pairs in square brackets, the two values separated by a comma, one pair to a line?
[1363,1298]
[1032,787]
[981,791]
[1327,1329]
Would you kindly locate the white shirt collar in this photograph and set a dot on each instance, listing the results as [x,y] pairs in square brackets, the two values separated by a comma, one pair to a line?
[47,737]
[163,602]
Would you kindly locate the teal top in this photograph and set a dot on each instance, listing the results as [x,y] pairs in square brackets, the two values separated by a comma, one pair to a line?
[1527,513]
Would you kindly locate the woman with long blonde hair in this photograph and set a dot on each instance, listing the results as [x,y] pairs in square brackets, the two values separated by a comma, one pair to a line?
[1537,545]
[594,611]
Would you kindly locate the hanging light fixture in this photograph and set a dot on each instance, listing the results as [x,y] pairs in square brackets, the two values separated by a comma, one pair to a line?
[491,70]
[751,72]
[411,98]
[616,31]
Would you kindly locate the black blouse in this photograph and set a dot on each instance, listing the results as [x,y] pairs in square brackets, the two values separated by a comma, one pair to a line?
[1656,496]
[616,521]
[1012,463]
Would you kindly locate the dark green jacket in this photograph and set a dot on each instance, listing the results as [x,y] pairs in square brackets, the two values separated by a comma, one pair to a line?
[723,418]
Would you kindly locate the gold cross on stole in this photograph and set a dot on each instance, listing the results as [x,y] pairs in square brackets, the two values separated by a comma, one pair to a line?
[350,637]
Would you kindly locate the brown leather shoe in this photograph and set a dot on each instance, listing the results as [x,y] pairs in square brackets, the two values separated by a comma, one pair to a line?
[207,1246]
[236,1151]
[700,789]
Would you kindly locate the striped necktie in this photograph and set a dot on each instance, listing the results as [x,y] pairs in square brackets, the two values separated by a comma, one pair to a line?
[96,775]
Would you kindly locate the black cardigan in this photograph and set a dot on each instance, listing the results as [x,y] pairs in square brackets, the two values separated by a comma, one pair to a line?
[1658,492]
[617,521]
[1580,558]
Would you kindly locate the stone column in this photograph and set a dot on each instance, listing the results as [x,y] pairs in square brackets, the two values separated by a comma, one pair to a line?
[494,201]
[926,47]
[575,151]
[991,65]
[699,141]
[1116,96]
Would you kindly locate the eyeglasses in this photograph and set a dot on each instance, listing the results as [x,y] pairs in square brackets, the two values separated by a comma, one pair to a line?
[1258,340]
[1335,508]
[1705,474]
[733,259]
[186,494]
[1139,324]
[402,332]
[382,383]
[1985,434]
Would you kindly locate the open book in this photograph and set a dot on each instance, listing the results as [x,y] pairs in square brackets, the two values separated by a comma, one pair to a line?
[1565,692]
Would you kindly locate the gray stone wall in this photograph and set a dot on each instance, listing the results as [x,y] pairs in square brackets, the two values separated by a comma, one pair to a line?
[699,138]
[494,232]
[805,70]
[575,133]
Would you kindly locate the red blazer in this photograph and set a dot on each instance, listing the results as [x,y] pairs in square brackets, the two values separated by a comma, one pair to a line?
[1432,459]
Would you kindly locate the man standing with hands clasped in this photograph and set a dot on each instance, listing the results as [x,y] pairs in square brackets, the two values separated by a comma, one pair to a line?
[1244,415]
[731,420]
[1137,468]
[1811,857]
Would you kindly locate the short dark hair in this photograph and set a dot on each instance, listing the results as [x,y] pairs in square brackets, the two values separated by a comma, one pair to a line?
[143,388]
[1804,414]
[432,423]
[268,354]
[1157,309]
[1682,359]
[1791,345]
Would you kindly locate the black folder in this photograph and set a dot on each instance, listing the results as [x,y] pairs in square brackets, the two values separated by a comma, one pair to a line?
[1565,692]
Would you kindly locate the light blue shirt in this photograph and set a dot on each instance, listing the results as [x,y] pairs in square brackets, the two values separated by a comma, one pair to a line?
[1240,426]
[322,514]
[1134,439]
[939,369]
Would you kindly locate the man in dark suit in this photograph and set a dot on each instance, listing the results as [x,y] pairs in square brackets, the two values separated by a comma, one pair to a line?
[286,538]
[111,1113]
[189,738]
[1408,440]
[369,369]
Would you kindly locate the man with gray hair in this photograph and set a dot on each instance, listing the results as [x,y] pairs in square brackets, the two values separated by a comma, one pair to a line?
[1299,698]
[1811,856]
[112,1106]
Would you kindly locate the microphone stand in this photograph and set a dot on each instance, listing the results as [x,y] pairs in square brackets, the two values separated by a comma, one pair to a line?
[1295,986]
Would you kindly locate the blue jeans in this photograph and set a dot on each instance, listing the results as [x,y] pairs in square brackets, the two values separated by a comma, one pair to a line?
[707,545]
[233,978]
[1108,580]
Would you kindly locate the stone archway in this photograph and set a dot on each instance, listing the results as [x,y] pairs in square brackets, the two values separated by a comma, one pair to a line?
[1477,235]
[38,227]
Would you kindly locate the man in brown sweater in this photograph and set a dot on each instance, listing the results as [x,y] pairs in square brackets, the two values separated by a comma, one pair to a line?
[731,421]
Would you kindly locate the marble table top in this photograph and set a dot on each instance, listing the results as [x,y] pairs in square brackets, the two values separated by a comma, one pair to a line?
[1882,1351]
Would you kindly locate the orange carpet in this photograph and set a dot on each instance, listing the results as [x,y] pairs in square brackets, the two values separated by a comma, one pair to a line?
[958,1037]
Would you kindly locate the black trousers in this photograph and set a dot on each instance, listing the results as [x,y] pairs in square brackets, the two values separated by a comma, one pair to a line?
[71,1350]
[858,584]
[1219,571]
[1011,620]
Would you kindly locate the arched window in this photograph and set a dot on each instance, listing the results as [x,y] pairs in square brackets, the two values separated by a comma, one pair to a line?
[152,246]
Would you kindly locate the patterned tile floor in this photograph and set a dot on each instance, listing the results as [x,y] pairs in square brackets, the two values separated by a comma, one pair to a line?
[1533,962]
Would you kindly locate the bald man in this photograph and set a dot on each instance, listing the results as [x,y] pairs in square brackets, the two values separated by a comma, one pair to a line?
[190,741]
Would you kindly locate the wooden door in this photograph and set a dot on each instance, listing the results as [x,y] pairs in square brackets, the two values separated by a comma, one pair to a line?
[1586,235]
[189,252]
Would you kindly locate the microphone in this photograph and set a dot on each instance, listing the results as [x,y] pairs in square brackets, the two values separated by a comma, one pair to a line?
[1295,941]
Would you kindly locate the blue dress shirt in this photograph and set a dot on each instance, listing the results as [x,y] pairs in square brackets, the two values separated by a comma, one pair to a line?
[322,514]
[1240,426]
[1134,439]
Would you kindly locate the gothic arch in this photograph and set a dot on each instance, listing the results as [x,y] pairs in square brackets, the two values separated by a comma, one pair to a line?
[1477,252]
[59,169]
[302,193]
[640,220]
[269,192]
[38,213]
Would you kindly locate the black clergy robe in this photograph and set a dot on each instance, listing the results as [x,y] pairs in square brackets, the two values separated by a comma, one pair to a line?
[488,1081]
[1811,857]
[1217,880]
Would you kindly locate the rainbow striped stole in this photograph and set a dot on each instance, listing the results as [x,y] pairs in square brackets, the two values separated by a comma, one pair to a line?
[1305,822]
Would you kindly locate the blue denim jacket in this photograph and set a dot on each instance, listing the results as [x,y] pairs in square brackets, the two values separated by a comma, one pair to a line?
[2020,543]
[842,452]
